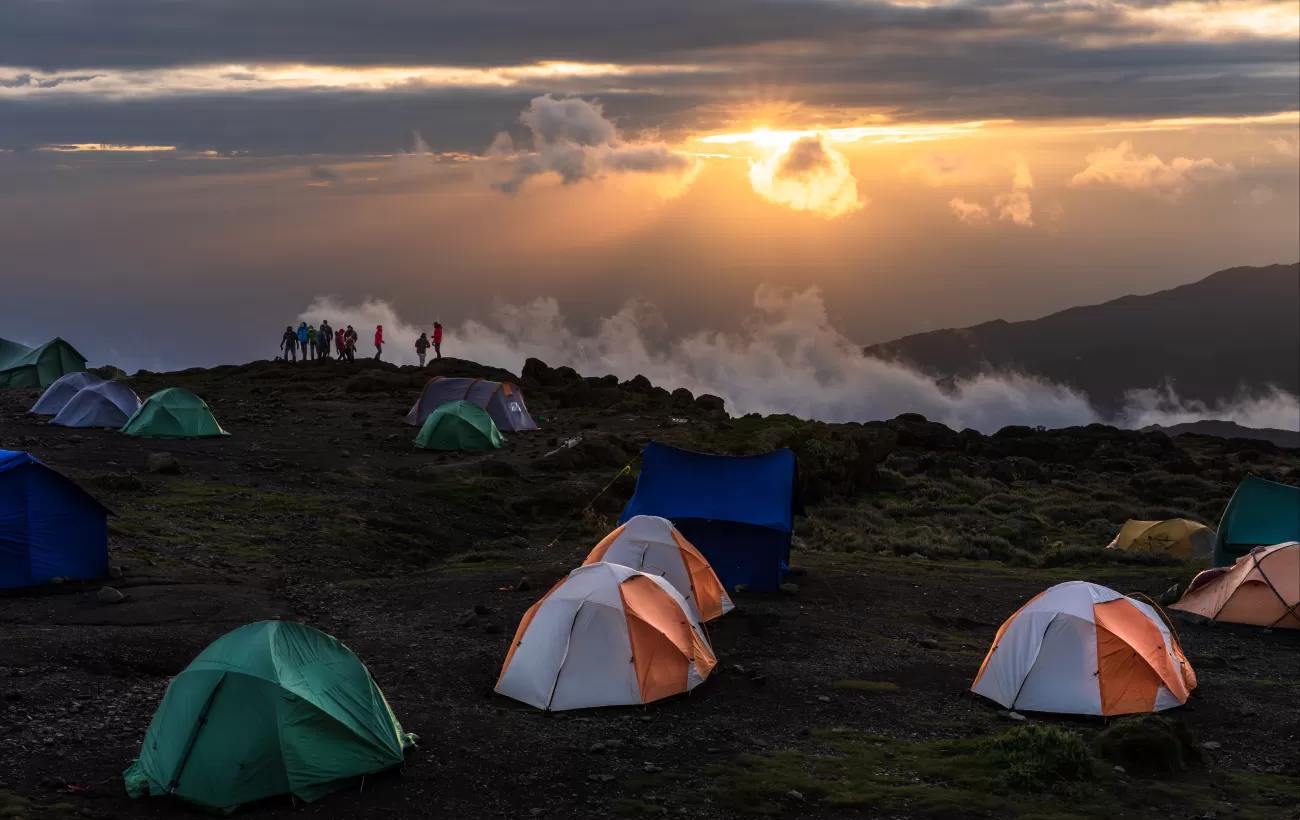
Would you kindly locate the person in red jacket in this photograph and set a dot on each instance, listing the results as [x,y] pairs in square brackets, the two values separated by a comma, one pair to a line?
[340,346]
[437,340]
[379,341]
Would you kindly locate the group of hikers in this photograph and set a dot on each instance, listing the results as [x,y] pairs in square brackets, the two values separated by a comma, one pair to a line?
[315,343]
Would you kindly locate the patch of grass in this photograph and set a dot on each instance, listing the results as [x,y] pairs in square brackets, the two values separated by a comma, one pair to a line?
[866,685]
[1148,744]
[1038,757]
[1029,771]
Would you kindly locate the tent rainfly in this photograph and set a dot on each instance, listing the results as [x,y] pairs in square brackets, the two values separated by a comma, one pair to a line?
[460,425]
[49,527]
[1084,649]
[1261,589]
[1177,536]
[1260,514]
[61,392]
[503,401]
[41,366]
[606,635]
[653,545]
[106,404]
[271,708]
[738,511]
[173,413]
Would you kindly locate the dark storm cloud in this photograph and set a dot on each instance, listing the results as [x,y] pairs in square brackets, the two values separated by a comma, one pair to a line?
[978,60]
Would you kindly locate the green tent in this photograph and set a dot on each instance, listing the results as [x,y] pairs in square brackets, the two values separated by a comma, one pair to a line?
[271,708]
[173,413]
[39,367]
[1261,513]
[459,425]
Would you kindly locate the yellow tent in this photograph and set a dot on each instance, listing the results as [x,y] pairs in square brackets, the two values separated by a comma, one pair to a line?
[1177,536]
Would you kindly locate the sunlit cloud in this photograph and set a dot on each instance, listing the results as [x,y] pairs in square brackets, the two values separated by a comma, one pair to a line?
[574,141]
[972,213]
[102,147]
[807,175]
[1123,167]
[213,79]
[1286,147]
[885,133]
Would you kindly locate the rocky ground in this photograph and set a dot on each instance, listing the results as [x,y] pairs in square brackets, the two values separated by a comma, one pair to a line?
[845,699]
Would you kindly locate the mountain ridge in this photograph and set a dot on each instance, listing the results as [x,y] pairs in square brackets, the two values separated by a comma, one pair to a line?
[1233,332]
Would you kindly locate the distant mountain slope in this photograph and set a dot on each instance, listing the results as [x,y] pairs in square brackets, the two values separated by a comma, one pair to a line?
[1236,327]
[1230,429]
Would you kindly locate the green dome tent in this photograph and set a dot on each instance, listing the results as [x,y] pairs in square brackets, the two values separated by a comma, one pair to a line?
[38,367]
[173,413]
[459,425]
[271,708]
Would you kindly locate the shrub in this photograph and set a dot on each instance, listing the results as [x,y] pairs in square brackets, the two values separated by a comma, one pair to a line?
[1038,757]
[1075,556]
[1148,744]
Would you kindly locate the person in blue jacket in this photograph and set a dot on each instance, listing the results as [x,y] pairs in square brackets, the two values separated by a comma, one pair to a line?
[302,339]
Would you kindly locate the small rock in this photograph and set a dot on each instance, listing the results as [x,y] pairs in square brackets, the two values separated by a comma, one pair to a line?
[481,609]
[345,454]
[523,585]
[613,745]
[759,680]
[738,669]
[164,464]
[108,595]
[600,778]
[468,618]
[1015,716]
[1211,745]
[741,588]
[824,698]
[790,589]
[115,573]
[1120,770]
[928,643]
[650,768]
[795,794]
[596,748]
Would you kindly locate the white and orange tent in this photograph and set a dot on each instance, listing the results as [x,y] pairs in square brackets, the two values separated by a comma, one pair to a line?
[606,635]
[1262,589]
[1083,649]
[653,545]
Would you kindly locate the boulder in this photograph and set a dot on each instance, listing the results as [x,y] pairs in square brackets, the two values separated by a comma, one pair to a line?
[108,595]
[164,464]
[711,405]
[682,398]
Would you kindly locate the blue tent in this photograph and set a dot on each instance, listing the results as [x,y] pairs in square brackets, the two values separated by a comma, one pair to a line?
[738,511]
[49,527]
[1261,513]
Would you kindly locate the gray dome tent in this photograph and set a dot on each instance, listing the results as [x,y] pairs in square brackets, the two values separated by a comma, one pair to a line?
[502,400]
[107,404]
[62,391]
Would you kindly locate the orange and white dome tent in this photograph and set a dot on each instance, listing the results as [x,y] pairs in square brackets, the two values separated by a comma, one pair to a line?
[1261,589]
[606,635]
[653,545]
[1084,649]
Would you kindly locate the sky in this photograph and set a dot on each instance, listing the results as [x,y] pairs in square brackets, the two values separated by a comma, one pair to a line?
[181,180]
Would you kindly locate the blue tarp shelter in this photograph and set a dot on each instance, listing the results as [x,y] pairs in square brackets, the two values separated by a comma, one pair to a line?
[49,527]
[738,511]
[1261,513]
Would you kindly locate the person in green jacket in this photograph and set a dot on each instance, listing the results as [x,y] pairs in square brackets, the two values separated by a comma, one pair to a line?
[310,349]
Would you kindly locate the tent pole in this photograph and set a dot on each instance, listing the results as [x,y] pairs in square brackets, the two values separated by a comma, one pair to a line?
[189,747]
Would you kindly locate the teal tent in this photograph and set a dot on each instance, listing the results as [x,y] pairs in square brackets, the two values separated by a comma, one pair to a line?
[459,425]
[173,413]
[39,367]
[1261,513]
[269,709]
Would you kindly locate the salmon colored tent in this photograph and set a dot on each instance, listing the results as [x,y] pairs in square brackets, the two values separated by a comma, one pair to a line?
[653,545]
[1177,536]
[1261,589]
[1083,649]
[606,635]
